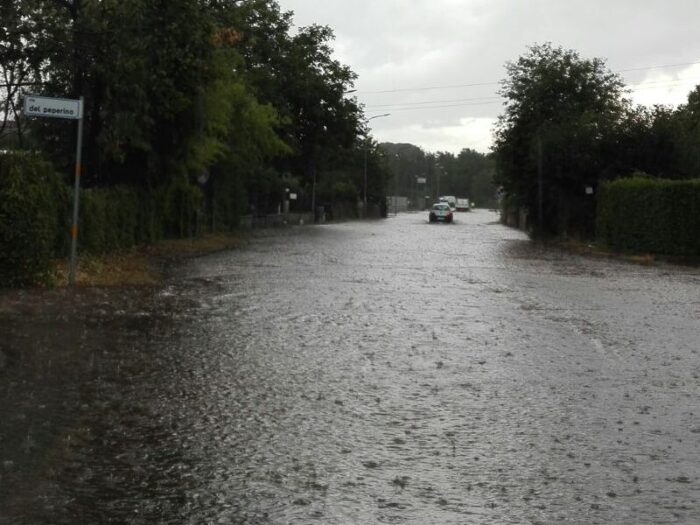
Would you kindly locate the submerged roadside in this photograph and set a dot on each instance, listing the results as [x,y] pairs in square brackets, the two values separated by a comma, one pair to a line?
[599,251]
[146,265]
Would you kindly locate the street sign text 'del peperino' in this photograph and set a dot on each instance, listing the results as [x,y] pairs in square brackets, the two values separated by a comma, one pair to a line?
[51,107]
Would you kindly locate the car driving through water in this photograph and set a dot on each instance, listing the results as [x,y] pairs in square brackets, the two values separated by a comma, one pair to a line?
[441,211]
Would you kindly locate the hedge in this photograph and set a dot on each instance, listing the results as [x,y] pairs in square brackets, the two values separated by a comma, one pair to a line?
[109,219]
[646,215]
[36,212]
[32,199]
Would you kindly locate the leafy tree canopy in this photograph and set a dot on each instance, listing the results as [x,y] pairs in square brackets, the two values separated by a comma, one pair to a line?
[560,110]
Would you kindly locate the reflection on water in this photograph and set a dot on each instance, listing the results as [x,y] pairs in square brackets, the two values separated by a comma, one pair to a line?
[387,372]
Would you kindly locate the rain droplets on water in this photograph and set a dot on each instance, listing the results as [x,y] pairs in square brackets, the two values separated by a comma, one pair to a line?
[378,372]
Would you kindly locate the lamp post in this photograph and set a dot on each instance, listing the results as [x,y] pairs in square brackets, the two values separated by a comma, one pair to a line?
[364,193]
[396,184]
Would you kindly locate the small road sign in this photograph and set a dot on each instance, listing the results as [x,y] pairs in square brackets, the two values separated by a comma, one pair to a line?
[52,107]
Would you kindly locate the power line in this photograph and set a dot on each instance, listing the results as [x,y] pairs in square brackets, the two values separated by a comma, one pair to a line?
[428,104]
[663,83]
[494,83]
[657,67]
[431,88]
[433,102]
[409,108]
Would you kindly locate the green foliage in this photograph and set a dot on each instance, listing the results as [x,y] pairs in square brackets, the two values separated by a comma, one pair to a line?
[121,217]
[251,140]
[225,93]
[109,219]
[647,215]
[173,89]
[562,112]
[663,141]
[568,115]
[468,175]
[183,203]
[32,206]
[20,60]
[298,76]
[379,173]
[36,206]
[227,197]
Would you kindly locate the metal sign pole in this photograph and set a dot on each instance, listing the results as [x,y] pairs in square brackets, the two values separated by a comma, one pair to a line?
[76,201]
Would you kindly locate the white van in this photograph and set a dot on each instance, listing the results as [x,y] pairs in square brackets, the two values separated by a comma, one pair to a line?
[449,199]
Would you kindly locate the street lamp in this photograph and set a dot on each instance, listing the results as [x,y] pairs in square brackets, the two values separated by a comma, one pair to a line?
[396,183]
[364,199]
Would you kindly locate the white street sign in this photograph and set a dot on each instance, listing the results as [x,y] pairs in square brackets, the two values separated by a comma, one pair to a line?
[51,107]
[292,196]
[421,180]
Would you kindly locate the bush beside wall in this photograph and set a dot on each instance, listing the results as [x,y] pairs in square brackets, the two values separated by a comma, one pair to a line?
[646,215]
[32,226]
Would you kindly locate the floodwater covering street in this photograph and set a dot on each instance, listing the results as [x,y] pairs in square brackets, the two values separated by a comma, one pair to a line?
[388,371]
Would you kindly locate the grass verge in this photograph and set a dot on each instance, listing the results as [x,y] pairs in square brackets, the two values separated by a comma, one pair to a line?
[595,250]
[142,266]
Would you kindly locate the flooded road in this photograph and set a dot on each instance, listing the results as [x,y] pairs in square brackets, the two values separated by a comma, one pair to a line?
[359,373]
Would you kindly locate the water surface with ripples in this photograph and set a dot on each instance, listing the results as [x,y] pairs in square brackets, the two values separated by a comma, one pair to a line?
[368,372]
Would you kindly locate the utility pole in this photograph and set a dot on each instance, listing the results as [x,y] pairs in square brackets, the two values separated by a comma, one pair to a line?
[396,185]
[364,191]
[540,190]
[313,192]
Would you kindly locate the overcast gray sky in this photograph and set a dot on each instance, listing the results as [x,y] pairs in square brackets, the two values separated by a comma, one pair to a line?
[401,48]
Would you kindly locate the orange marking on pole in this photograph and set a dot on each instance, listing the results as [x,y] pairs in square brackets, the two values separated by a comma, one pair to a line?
[73,231]
[77,170]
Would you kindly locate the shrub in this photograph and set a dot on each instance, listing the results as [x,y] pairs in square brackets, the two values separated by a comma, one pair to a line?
[110,219]
[33,210]
[36,213]
[92,222]
[182,205]
[647,215]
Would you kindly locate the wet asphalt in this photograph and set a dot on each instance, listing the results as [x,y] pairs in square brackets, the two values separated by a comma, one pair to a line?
[389,371]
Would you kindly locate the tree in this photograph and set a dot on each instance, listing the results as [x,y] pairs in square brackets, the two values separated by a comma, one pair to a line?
[20,65]
[299,77]
[476,180]
[687,121]
[560,110]
[407,163]
[220,92]
[469,174]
